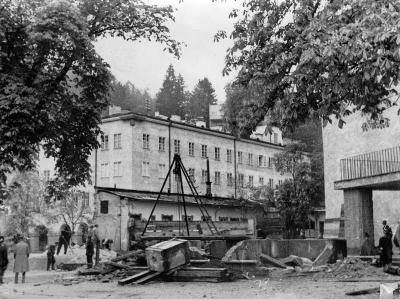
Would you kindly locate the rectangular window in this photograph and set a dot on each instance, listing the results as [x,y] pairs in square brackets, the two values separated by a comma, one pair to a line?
[167,217]
[217,153]
[104,206]
[279,182]
[241,180]
[229,179]
[205,218]
[275,137]
[146,168]
[203,176]
[260,160]
[270,162]
[161,171]
[261,181]
[250,159]
[191,174]
[104,170]
[223,218]
[146,141]
[117,140]
[240,157]
[271,183]
[46,175]
[137,217]
[229,155]
[189,217]
[204,151]
[104,142]
[217,178]
[191,149]
[177,146]
[251,181]
[117,168]
[161,144]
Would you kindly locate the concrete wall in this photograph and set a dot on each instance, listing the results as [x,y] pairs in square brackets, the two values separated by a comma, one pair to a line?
[252,249]
[352,140]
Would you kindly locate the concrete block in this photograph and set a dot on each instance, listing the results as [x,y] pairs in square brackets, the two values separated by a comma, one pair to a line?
[218,248]
[324,256]
[167,255]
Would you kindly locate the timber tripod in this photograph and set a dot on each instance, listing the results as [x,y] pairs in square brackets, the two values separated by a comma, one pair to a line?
[178,170]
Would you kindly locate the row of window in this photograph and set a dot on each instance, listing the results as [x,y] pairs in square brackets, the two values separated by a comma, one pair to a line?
[117,141]
[261,162]
[105,170]
[217,176]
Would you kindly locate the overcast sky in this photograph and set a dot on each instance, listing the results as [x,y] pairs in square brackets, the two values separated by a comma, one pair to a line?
[145,63]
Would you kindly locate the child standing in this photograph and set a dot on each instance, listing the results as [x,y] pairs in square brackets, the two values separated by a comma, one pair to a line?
[51,260]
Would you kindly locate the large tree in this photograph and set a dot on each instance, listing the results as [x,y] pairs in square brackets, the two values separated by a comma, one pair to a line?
[202,96]
[171,98]
[313,57]
[53,84]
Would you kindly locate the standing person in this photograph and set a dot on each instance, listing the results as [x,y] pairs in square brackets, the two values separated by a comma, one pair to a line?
[3,258]
[21,255]
[367,246]
[396,239]
[386,248]
[89,252]
[64,238]
[51,260]
[386,228]
[96,241]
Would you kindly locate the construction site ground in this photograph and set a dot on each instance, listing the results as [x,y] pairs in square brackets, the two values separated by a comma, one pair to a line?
[42,284]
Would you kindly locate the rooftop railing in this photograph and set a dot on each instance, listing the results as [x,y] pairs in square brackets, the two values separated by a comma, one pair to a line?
[371,164]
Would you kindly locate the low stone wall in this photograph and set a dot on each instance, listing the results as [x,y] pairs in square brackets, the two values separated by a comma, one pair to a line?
[309,248]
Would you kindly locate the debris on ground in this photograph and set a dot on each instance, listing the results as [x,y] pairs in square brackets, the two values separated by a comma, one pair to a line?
[168,261]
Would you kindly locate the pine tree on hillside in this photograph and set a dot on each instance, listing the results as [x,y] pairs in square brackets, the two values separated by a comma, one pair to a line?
[202,96]
[171,97]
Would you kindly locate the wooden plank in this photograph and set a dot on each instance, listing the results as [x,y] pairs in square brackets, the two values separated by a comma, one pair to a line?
[363,292]
[116,265]
[270,260]
[89,272]
[133,278]
[202,237]
[151,276]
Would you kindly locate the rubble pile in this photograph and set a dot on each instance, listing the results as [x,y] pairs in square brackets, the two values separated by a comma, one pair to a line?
[169,261]
[350,268]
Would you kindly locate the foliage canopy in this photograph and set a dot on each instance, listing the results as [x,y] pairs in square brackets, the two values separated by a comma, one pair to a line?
[316,58]
[53,84]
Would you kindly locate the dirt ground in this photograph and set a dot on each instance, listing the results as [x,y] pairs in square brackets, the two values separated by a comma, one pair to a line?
[287,288]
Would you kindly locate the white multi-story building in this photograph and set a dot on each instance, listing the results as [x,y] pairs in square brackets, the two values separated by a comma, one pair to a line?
[136,152]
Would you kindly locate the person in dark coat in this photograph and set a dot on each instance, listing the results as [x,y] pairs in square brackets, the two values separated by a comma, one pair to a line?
[21,255]
[3,258]
[386,248]
[64,238]
[51,260]
[89,252]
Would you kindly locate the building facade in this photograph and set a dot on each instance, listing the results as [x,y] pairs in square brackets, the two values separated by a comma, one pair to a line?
[350,141]
[136,152]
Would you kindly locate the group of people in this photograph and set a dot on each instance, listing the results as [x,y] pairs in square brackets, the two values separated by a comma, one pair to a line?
[21,251]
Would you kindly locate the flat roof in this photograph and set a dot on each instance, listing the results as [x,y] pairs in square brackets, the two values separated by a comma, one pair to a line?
[171,197]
